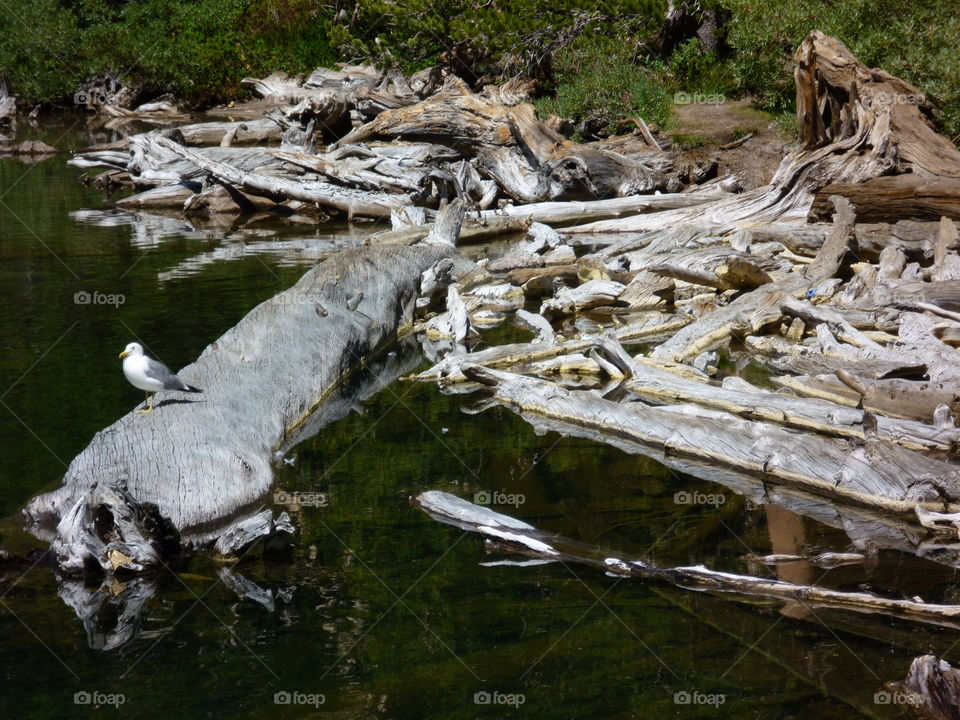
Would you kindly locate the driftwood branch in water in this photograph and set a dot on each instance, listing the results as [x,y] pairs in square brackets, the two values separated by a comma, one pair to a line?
[507,533]
[198,467]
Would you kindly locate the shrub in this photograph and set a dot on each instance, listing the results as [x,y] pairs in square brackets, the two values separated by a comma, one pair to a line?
[598,74]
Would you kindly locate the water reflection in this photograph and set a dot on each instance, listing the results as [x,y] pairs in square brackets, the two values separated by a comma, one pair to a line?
[234,237]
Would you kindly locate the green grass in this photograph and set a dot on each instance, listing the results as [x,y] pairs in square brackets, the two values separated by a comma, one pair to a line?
[919,42]
[599,75]
[686,141]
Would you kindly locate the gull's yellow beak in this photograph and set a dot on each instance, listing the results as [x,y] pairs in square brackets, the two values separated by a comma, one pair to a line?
[124,354]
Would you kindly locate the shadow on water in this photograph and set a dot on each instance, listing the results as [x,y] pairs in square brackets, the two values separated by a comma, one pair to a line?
[375,610]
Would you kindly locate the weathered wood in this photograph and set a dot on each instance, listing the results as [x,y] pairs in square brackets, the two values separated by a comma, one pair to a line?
[875,474]
[472,230]
[506,533]
[715,328]
[528,160]
[591,294]
[738,397]
[892,198]
[347,200]
[908,399]
[190,466]
[719,267]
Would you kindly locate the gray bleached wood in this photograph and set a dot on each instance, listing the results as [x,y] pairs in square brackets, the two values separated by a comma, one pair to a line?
[206,463]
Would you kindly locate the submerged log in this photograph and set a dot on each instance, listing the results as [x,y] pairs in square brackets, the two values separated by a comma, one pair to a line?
[506,533]
[197,467]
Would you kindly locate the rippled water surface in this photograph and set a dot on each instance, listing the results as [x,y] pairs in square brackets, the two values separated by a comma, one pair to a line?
[377,611]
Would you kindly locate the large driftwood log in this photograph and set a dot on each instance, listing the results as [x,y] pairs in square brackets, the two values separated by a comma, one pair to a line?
[196,466]
[875,474]
[892,198]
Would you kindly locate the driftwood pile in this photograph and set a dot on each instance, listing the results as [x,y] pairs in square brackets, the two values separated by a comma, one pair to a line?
[857,322]
[854,315]
[395,148]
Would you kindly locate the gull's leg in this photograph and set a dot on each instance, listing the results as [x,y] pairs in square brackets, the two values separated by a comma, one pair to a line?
[151,396]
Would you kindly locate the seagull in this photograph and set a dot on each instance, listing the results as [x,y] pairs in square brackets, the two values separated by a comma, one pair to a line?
[149,375]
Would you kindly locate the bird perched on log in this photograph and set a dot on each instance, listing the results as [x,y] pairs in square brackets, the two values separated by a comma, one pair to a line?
[150,375]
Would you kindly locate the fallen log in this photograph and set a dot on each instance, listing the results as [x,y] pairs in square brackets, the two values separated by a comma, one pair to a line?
[505,533]
[197,468]
[353,202]
[892,198]
[738,397]
[907,399]
[874,474]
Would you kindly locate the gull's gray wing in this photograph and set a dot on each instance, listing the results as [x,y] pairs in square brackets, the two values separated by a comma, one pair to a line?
[156,370]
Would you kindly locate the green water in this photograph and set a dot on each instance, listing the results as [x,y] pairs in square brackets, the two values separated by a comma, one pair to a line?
[377,610]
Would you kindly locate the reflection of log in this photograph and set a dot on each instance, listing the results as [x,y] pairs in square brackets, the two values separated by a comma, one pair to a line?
[192,465]
[508,533]
[874,474]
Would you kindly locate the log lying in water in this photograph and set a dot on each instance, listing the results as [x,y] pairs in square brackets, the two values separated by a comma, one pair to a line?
[506,533]
[345,199]
[197,467]
[875,473]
